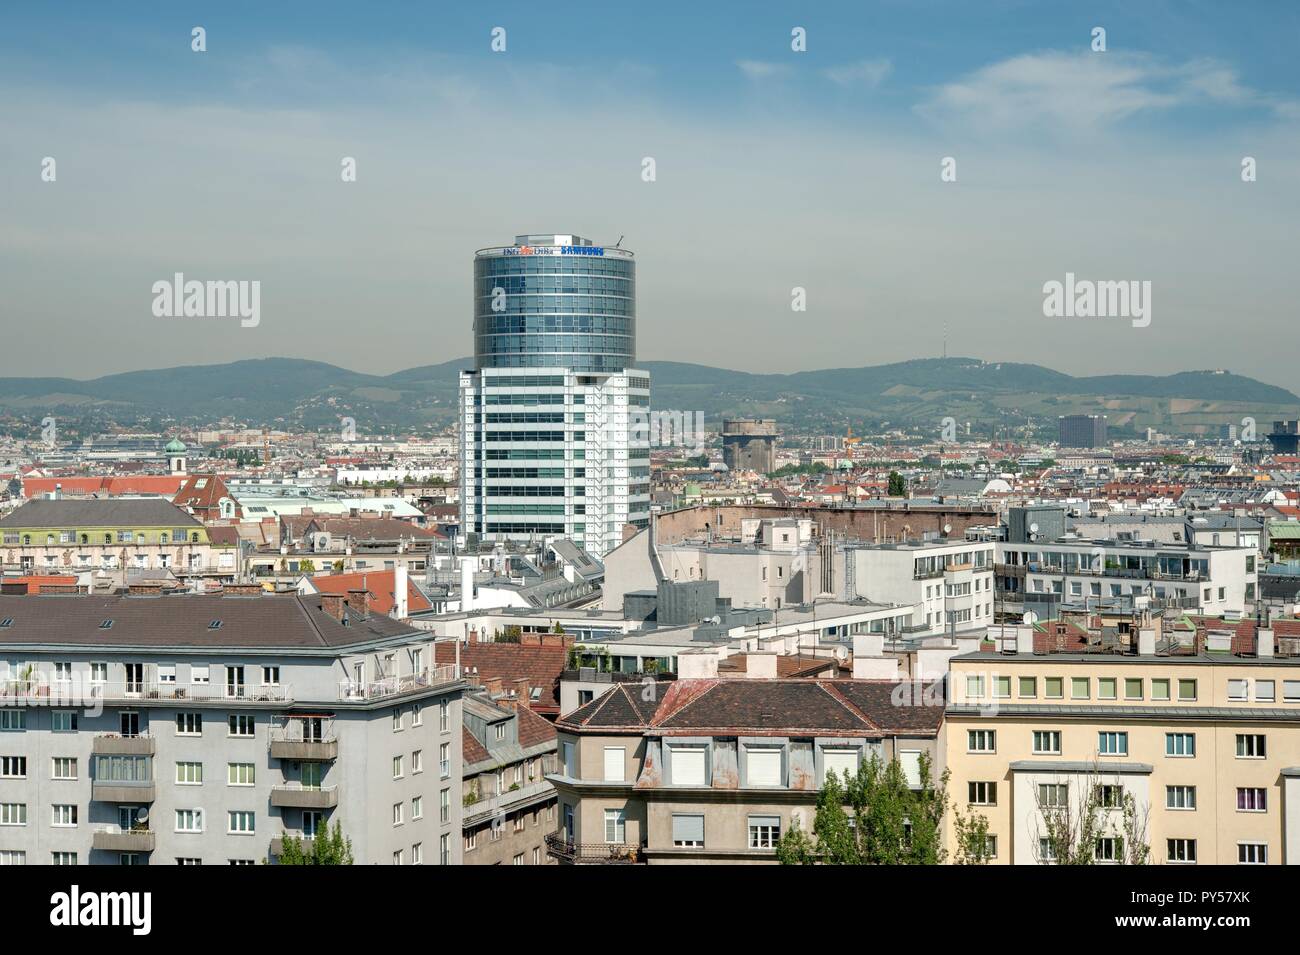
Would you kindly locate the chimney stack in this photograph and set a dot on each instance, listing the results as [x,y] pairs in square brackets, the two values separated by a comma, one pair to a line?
[466,584]
[400,588]
[335,605]
[1264,645]
[521,689]
[1147,642]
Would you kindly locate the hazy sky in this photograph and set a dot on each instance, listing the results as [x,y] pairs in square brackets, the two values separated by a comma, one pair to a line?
[775,169]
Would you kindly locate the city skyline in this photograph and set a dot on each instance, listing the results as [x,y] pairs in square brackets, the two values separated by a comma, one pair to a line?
[775,170]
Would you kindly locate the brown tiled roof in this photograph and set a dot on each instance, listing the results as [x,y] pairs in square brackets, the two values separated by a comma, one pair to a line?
[382,585]
[868,708]
[472,749]
[534,729]
[541,666]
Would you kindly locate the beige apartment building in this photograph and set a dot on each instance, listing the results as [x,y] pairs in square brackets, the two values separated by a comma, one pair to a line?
[1203,731]
[715,771]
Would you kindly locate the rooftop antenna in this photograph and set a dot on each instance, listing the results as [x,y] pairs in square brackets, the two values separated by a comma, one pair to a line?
[619,243]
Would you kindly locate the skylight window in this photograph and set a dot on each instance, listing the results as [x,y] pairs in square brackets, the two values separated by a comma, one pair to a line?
[106,625]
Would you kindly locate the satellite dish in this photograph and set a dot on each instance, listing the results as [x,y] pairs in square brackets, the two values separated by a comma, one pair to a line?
[1030,617]
[142,814]
[947,528]
[1033,527]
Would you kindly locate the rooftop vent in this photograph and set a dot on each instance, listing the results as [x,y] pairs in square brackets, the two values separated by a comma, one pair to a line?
[6,623]
[214,625]
[106,625]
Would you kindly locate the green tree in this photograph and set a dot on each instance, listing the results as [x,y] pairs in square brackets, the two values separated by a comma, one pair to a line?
[328,848]
[897,485]
[873,818]
[973,845]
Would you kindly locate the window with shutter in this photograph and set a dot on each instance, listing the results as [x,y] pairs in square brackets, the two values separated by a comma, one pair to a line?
[763,767]
[688,766]
[614,764]
[842,762]
[688,831]
[909,760]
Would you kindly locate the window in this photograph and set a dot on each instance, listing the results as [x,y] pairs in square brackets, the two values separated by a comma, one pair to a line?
[974,687]
[615,826]
[1106,850]
[1133,688]
[189,774]
[63,858]
[1291,691]
[166,673]
[241,724]
[444,715]
[1001,687]
[1046,850]
[64,767]
[1180,744]
[397,813]
[1028,686]
[1186,691]
[1052,795]
[13,814]
[1112,744]
[500,731]
[1265,691]
[189,724]
[99,673]
[764,832]
[688,766]
[13,857]
[444,760]
[417,761]
[763,766]
[1053,687]
[1180,797]
[981,741]
[1106,688]
[189,820]
[13,767]
[240,774]
[13,721]
[417,711]
[417,854]
[1238,690]
[1110,796]
[64,816]
[417,807]
[397,767]
[982,794]
[1252,799]
[1160,690]
[1252,853]
[444,849]
[397,720]
[199,674]
[240,822]
[1182,851]
[614,772]
[1079,687]
[1047,742]
[842,762]
[471,841]
[64,721]
[444,806]
[688,831]
[1250,746]
[270,676]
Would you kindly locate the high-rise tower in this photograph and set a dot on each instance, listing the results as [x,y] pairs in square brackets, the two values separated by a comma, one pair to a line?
[552,418]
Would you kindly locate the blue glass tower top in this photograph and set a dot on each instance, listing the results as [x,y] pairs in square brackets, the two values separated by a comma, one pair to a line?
[555,301]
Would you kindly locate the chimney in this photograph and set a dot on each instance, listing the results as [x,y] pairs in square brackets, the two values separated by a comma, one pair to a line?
[359,600]
[335,605]
[521,689]
[1147,642]
[697,665]
[1264,644]
[493,685]
[473,634]
[760,665]
[400,589]
[1024,638]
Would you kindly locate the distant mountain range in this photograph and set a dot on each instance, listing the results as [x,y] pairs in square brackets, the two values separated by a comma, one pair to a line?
[991,396]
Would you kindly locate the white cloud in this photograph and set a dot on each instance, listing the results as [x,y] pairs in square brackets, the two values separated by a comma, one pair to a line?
[1084,91]
[863,73]
[761,69]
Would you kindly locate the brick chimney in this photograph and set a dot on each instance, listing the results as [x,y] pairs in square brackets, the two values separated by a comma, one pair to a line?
[473,635]
[359,600]
[335,605]
[493,685]
[520,688]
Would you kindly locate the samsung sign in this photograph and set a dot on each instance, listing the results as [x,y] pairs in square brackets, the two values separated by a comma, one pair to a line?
[555,250]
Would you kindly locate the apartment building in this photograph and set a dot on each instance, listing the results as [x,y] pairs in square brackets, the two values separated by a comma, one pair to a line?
[948,582]
[113,534]
[1071,570]
[509,806]
[714,771]
[189,729]
[1203,733]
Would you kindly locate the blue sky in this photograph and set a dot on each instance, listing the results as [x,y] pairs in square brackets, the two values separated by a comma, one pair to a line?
[775,169]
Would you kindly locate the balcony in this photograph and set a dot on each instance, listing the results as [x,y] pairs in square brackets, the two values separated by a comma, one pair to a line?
[114,839]
[427,678]
[111,744]
[297,797]
[305,750]
[559,847]
[509,799]
[116,790]
[198,693]
[277,842]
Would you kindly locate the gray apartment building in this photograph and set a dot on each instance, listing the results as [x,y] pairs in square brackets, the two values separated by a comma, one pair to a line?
[204,729]
[1082,431]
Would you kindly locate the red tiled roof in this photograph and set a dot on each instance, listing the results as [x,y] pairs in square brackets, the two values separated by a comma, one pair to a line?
[541,666]
[165,485]
[380,583]
[472,749]
[35,582]
[534,729]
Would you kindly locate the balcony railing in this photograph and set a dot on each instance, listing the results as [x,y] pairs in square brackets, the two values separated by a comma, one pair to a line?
[134,692]
[508,798]
[398,685]
[112,744]
[299,797]
[116,839]
[558,846]
[119,790]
